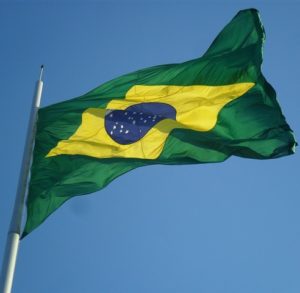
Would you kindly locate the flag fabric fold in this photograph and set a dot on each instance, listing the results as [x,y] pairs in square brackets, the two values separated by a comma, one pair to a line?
[200,111]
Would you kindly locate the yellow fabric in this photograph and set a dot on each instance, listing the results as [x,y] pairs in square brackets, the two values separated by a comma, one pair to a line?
[197,108]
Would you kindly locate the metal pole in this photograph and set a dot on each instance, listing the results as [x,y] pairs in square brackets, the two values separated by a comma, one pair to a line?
[13,237]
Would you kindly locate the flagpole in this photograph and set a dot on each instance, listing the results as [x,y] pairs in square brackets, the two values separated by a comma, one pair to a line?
[14,233]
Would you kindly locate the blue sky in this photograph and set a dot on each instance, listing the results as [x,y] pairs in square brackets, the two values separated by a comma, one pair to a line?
[216,228]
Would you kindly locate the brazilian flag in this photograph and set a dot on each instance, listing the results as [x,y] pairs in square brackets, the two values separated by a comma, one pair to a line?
[200,111]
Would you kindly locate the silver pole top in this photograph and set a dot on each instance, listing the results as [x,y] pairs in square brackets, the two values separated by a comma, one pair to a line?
[41,72]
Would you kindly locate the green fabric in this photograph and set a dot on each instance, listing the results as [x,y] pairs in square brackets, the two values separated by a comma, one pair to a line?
[251,126]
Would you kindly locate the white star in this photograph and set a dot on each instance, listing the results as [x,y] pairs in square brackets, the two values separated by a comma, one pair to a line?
[121,126]
[126,131]
[114,127]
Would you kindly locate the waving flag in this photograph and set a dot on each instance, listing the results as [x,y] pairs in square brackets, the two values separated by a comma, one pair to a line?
[200,111]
